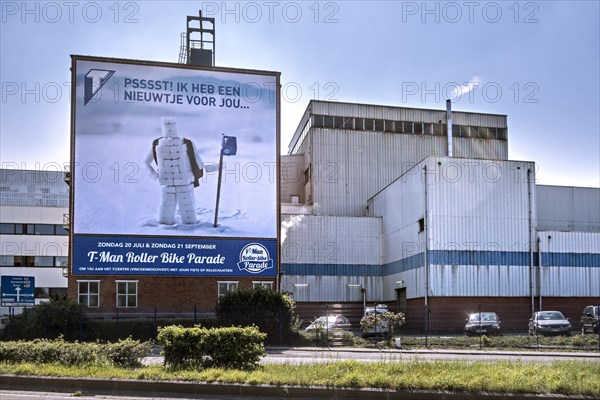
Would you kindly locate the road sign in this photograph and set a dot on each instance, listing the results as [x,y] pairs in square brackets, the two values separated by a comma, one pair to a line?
[18,291]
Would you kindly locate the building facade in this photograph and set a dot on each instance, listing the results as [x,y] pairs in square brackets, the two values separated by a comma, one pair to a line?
[33,240]
[383,214]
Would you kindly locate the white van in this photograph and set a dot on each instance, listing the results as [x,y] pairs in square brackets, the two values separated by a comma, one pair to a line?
[382,327]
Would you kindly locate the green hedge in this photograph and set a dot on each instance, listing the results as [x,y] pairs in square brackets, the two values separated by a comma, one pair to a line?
[125,353]
[199,347]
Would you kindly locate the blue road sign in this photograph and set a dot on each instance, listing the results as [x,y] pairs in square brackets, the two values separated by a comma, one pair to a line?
[18,291]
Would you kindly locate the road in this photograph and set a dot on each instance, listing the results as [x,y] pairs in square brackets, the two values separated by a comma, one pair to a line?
[103,390]
[308,355]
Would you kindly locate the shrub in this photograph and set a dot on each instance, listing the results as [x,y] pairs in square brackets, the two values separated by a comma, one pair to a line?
[271,311]
[383,323]
[125,353]
[199,347]
[59,317]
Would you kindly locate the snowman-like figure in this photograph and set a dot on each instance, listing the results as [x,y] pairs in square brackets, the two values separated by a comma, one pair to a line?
[178,170]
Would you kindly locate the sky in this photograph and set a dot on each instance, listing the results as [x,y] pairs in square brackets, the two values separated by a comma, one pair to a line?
[538,62]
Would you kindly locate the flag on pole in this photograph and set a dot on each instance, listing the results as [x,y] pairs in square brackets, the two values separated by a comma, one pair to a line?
[228,148]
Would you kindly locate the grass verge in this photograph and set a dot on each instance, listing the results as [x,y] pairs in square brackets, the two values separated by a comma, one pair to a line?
[570,378]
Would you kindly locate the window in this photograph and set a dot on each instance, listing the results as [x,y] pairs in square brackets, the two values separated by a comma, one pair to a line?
[127,293]
[379,125]
[61,261]
[359,124]
[418,127]
[44,229]
[88,293]
[7,229]
[24,261]
[60,230]
[7,261]
[265,284]
[44,261]
[421,225]
[427,128]
[226,287]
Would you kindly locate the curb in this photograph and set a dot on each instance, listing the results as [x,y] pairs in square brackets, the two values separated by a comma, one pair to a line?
[443,351]
[176,388]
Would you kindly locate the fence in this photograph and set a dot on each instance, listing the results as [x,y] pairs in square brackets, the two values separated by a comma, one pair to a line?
[434,325]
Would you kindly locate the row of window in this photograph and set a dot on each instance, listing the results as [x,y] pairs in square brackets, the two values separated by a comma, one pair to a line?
[33,200]
[410,127]
[32,229]
[88,292]
[33,261]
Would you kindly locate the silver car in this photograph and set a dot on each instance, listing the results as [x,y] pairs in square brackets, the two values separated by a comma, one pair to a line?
[548,323]
[330,322]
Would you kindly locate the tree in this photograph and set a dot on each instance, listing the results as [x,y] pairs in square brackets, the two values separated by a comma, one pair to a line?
[272,312]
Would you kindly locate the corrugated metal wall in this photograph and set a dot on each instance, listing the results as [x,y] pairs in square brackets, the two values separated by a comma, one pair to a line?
[327,288]
[327,254]
[349,167]
[310,239]
[404,114]
[567,208]
[292,178]
[570,264]
[477,223]
[481,218]
[479,205]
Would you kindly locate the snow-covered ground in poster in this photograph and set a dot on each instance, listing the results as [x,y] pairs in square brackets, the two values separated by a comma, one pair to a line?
[114,193]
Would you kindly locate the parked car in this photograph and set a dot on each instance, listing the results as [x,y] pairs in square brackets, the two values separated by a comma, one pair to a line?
[382,327]
[483,323]
[590,319]
[330,322]
[549,323]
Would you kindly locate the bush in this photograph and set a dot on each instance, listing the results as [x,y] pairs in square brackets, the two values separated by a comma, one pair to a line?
[59,317]
[271,311]
[199,347]
[382,323]
[125,353]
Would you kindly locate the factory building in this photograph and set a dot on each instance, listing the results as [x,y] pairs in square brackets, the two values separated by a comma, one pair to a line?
[374,210]
[33,240]
[380,205]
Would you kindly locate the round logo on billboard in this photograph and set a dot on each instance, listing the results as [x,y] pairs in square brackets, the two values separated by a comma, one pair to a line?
[255,258]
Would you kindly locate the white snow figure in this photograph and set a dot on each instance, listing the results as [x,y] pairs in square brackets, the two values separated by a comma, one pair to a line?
[178,170]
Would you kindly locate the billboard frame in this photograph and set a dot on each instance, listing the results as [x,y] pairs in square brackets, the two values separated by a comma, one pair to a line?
[76,236]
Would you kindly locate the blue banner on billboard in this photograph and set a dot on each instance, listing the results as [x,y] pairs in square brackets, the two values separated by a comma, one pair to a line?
[114,255]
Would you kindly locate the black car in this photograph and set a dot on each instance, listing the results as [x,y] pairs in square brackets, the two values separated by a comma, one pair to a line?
[483,323]
[590,318]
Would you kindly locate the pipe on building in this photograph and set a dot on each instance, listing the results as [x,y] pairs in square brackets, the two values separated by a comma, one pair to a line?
[426,231]
[539,272]
[449,122]
[529,225]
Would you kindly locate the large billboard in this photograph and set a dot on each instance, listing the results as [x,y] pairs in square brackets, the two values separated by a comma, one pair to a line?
[174,169]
